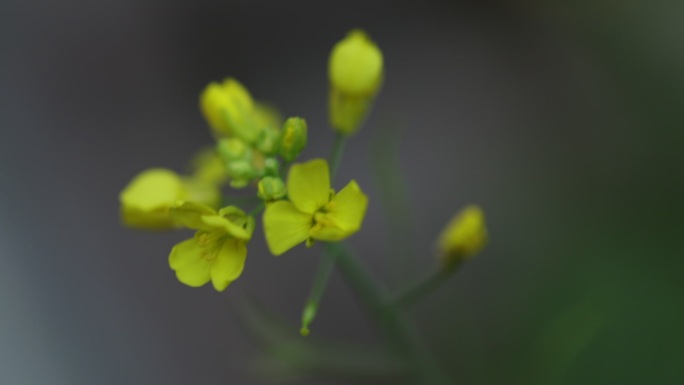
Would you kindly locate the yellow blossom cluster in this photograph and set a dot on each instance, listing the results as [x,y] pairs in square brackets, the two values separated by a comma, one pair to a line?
[252,146]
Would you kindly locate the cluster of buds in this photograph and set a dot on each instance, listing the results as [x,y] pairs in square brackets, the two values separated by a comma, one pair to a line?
[249,135]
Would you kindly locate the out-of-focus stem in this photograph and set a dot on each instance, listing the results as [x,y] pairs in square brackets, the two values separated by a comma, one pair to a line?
[398,332]
[395,201]
[422,288]
[325,269]
[336,155]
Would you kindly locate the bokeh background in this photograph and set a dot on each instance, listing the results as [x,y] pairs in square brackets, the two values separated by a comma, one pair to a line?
[563,119]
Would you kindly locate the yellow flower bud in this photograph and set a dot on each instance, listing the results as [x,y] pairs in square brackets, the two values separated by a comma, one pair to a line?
[463,237]
[293,138]
[356,73]
[271,188]
[356,65]
[227,107]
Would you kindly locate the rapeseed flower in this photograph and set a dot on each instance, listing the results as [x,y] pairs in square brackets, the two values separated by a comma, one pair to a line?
[146,200]
[218,250]
[314,211]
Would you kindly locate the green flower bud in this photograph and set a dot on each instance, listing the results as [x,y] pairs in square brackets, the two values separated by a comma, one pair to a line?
[232,149]
[271,167]
[271,188]
[293,138]
[356,73]
[463,237]
[268,141]
[241,172]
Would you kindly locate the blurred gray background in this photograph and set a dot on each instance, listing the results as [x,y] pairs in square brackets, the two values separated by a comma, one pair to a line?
[562,119]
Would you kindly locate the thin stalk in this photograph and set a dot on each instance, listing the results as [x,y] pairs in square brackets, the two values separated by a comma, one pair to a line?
[398,332]
[245,200]
[395,200]
[325,269]
[422,288]
[259,208]
[336,155]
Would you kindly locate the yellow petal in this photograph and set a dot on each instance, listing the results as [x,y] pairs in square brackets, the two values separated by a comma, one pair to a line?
[217,223]
[345,214]
[189,214]
[308,185]
[235,215]
[186,260]
[228,264]
[146,200]
[285,226]
[158,219]
[152,188]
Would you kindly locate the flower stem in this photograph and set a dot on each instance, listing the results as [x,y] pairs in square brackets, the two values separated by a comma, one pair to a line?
[395,201]
[399,333]
[426,285]
[259,208]
[245,200]
[325,269]
[336,155]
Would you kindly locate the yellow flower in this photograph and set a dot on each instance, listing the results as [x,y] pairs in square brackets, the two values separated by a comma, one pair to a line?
[227,107]
[146,200]
[314,211]
[463,237]
[218,250]
[356,73]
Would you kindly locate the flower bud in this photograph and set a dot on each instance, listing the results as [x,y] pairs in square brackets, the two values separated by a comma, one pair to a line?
[232,149]
[463,237]
[271,167]
[293,138]
[241,172]
[227,107]
[271,188]
[356,73]
[268,141]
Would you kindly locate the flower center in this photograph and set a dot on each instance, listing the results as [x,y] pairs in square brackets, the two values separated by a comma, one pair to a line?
[321,218]
[210,244]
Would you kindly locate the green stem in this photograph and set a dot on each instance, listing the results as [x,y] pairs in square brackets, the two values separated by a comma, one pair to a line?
[246,200]
[399,333]
[427,285]
[325,269]
[259,208]
[336,155]
[395,200]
